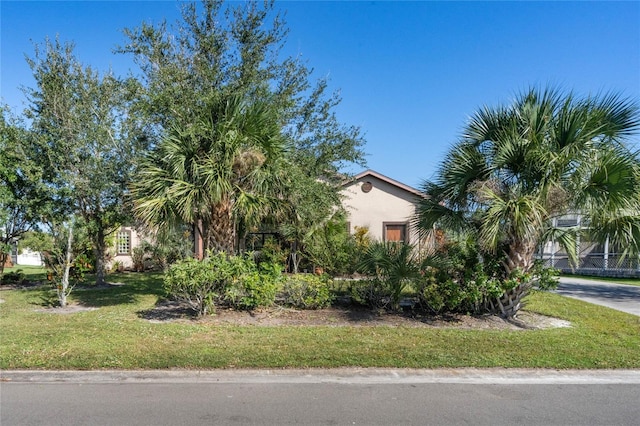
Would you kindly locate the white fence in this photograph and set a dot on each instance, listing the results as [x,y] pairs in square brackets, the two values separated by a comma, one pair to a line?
[599,264]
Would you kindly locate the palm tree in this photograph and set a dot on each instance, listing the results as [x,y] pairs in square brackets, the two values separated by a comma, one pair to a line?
[392,263]
[546,155]
[213,173]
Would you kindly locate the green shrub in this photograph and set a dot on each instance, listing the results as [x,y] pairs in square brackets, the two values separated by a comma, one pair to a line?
[373,293]
[199,283]
[13,277]
[547,278]
[469,292]
[252,287]
[306,291]
[219,279]
[138,256]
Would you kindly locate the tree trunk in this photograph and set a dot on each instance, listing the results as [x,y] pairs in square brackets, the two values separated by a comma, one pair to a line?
[198,240]
[294,256]
[63,287]
[519,258]
[3,260]
[222,230]
[99,251]
[511,300]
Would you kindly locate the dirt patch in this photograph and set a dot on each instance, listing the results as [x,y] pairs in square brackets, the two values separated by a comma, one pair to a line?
[352,316]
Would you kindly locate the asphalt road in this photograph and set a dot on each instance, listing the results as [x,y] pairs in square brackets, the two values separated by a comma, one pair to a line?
[625,298]
[395,397]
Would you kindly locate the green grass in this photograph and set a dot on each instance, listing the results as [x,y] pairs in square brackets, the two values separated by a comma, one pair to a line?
[31,273]
[115,336]
[628,281]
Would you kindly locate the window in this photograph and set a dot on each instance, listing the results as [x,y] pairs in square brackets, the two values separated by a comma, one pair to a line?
[124,242]
[395,231]
[566,223]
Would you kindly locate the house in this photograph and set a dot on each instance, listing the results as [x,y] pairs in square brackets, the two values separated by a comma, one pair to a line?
[382,205]
[373,201]
[127,238]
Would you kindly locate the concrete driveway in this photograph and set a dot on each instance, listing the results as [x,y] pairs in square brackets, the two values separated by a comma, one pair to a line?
[625,298]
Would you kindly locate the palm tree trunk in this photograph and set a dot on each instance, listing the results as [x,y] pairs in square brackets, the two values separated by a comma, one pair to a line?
[222,235]
[511,300]
[519,258]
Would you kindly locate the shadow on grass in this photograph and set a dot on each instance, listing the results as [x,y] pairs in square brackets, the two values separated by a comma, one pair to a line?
[121,288]
[167,310]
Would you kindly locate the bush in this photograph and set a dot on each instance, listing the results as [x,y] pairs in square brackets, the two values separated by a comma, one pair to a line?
[463,296]
[373,293]
[138,256]
[13,277]
[546,277]
[198,283]
[222,280]
[252,286]
[306,291]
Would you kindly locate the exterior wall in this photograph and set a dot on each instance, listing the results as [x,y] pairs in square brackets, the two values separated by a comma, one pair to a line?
[125,259]
[384,203]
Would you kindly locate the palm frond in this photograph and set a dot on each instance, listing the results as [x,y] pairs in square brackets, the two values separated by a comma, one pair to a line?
[566,237]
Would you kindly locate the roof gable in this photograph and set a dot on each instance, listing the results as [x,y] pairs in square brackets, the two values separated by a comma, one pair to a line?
[371,173]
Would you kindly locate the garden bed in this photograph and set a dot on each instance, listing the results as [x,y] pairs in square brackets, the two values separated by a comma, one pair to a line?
[347,316]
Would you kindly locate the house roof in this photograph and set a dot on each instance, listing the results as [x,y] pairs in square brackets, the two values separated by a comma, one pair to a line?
[384,178]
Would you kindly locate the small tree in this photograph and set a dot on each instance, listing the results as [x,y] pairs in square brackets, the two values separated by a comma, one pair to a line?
[392,265]
[60,259]
[85,141]
[21,195]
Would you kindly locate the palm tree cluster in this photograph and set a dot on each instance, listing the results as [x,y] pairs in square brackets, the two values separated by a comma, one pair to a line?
[517,167]
[213,173]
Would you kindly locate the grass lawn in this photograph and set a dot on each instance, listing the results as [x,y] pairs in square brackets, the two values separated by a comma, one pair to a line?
[628,281]
[31,273]
[114,336]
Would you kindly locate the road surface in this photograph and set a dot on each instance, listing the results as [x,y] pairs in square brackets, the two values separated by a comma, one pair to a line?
[625,298]
[345,397]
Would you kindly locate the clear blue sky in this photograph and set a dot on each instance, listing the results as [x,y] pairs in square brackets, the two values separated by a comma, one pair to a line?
[410,73]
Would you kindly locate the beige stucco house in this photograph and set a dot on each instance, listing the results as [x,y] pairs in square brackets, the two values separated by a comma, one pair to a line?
[373,201]
[127,238]
[383,205]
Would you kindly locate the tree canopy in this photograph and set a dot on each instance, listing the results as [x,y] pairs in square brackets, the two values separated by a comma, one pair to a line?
[84,139]
[229,55]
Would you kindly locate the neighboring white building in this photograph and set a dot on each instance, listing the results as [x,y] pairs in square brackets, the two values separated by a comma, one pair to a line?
[29,258]
[383,205]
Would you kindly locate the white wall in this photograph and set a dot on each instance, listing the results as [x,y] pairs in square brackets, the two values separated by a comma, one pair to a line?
[29,258]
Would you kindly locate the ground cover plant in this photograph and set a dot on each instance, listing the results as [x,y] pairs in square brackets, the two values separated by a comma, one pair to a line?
[113,330]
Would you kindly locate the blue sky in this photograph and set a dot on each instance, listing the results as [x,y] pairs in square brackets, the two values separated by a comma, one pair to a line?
[410,73]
